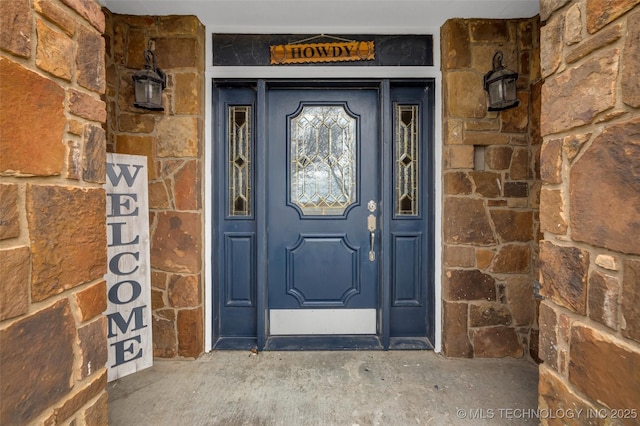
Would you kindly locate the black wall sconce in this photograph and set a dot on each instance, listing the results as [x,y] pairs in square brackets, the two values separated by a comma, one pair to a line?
[500,83]
[149,84]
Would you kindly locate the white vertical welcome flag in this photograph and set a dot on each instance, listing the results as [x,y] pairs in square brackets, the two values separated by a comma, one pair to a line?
[129,268]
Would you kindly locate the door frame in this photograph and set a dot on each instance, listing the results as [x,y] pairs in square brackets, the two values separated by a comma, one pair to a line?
[386,196]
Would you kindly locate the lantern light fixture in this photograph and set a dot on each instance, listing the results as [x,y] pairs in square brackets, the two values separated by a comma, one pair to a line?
[149,84]
[500,83]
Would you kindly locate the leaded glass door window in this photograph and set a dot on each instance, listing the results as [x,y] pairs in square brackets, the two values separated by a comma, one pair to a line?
[323,158]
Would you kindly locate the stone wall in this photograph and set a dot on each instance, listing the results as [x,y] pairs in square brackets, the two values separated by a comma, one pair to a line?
[172,140]
[590,205]
[491,191]
[52,213]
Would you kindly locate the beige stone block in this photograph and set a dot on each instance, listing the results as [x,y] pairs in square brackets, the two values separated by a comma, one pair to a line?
[457,183]
[630,84]
[459,256]
[604,192]
[92,301]
[512,259]
[91,11]
[14,279]
[158,196]
[75,127]
[485,138]
[602,12]
[631,300]
[183,52]
[57,15]
[489,30]
[67,250]
[551,45]
[97,414]
[456,52]
[572,145]
[16,21]
[93,351]
[32,122]
[557,396]
[190,332]
[516,120]
[78,399]
[551,161]
[547,7]
[460,157]
[597,41]
[25,393]
[573,24]
[548,324]
[482,125]
[563,272]
[488,314]
[604,368]
[95,159]
[178,137]
[178,25]
[87,106]
[455,340]
[498,157]
[188,93]
[139,145]
[513,225]
[484,258]
[487,184]
[465,95]
[55,52]
[165,338]
[453,132]
[574,97]
[463,284]
[137,43]
[90,62]
[187,186]
[521,165]
[9,215]
[521,300]
[604,292]
[184,291]
[552,212]
[176,242]
[467,222]
[496,342]
[607,262]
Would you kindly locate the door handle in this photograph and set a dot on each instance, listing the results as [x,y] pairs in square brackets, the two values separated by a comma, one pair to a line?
[371,225]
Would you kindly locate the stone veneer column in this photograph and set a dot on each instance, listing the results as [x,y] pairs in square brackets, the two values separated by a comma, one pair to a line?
[52,213]
[590,206]
[172,140]
[491,191]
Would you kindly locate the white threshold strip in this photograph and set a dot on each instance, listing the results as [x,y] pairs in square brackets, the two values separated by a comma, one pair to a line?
[289,322]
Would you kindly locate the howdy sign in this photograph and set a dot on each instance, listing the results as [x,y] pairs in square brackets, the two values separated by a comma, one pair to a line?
[322,52]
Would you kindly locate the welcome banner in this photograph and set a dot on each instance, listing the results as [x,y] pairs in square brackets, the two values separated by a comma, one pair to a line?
[129,267]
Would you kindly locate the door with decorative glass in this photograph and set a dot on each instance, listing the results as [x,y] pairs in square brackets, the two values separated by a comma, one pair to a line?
[324,225]
[322,212]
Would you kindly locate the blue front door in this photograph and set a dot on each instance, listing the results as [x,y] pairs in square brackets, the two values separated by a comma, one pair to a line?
[322,214]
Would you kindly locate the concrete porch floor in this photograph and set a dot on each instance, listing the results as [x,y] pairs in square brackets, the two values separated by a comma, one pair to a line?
[327,388]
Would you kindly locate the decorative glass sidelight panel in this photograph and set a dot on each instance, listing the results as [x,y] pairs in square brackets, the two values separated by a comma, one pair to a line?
[240,167]
[323,160]
[406,160]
